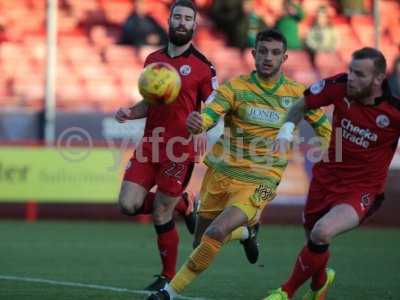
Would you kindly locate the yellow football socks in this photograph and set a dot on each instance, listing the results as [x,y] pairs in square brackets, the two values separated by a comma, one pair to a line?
[198,261]
[240,233]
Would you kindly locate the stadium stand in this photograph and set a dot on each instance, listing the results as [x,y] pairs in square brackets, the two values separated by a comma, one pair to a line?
[95,73]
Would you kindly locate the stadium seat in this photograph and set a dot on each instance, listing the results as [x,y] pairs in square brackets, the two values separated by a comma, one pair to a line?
[121,56]
[209,39]
[117,11]
[31,92]
[101,90]
[145,51]
[298,59]
[329,64]
[364,28]
[73,39]
[305,76]
[80,64]
[347,41]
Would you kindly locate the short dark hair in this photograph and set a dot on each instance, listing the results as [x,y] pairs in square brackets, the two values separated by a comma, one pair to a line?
[271,35]
[185,3]
[377,57]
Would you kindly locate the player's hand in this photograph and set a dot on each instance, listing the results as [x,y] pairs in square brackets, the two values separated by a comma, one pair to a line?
[194,122]
[123,114]
[281,145]
[200,145]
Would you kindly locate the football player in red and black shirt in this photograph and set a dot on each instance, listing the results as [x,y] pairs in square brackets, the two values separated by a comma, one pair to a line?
[166,155]
[348,186]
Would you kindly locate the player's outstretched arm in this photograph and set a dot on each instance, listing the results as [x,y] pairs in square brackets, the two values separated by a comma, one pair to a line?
[137,111]
[296,112]
[285,135]
[321,125]
[194,122]
[220,104]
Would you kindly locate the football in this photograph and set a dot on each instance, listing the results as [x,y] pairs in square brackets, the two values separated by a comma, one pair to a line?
[159,83]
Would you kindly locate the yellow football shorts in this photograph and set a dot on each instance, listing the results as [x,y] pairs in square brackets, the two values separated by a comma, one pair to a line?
[219,191]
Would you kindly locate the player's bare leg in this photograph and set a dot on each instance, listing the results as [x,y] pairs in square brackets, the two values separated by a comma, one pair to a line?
[338,220]
[164,206]
[131,198]
[135,199]
[167,238]
[202,224]
[188,203]
[313,259]
[202,257]
[246,235]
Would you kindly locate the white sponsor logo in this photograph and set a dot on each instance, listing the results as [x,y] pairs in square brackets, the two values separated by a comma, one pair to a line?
[357,135]
[264,115]
[382,121]
[185,70]
[317,87]
[214,82]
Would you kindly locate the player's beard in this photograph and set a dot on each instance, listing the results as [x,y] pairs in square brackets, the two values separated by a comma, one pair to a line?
[362,94]
[180,39]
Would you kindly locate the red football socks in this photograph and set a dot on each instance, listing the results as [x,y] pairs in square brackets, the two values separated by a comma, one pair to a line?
[168,240]
[311,261]
[319,279]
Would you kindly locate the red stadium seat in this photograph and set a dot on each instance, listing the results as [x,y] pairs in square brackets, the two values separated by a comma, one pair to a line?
[306,77]
[31,91]
[364,28]
[145,51]
[117,11]
[298,60]
[347,41]
[84,75]
[121,56]
[113,104]
[329,64]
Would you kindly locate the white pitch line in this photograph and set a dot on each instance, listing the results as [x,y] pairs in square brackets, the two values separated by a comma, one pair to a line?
[84,285]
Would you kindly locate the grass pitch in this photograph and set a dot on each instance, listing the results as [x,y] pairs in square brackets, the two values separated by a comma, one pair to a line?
[123,255]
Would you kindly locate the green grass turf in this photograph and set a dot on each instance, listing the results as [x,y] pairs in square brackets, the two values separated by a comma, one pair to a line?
[124,255]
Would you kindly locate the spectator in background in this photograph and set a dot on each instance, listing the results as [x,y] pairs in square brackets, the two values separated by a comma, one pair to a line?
[100,40]
[394,78]
[238,20]
[288,24]
[225,14]
[252,25]
[352,7]
[3,32]
[322,35]
[141,29]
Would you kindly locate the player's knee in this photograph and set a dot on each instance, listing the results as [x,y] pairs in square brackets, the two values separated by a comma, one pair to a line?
[216,233]
[162,213]
[126,209]
[321,233]
[127,206]
[131,198]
